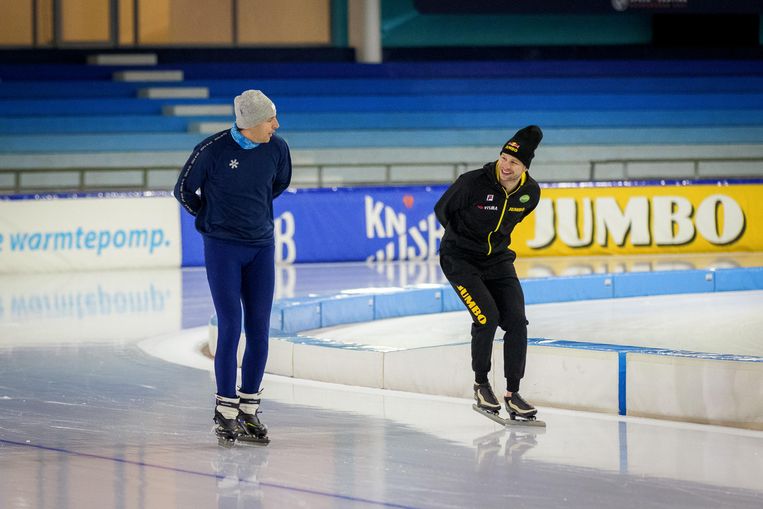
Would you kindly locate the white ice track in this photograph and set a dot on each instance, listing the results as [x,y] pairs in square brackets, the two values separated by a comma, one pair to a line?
[722,323]
[88,419]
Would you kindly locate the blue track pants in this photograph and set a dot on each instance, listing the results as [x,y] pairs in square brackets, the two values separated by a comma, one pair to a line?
[240,274]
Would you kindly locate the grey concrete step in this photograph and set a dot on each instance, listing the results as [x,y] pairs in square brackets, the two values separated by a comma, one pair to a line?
[174,93]
[198,110]
[208,127]
[155,76]
[123,59]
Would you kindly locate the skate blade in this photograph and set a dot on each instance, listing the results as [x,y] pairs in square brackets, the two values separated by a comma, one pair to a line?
[253,441]
[225,442]
[514,422]
[490,415]
[517,420]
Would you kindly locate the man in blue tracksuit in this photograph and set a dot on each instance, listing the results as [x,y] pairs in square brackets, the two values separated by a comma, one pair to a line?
[229,183]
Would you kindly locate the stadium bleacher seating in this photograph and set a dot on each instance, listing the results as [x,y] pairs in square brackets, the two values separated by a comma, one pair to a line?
[95,126]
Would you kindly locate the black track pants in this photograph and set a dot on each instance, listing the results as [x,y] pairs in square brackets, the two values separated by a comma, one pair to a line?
[494,297]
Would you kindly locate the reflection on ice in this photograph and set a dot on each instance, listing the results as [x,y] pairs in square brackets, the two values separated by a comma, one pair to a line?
[37,309]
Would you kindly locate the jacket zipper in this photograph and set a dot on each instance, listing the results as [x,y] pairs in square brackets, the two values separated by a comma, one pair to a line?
[503,211]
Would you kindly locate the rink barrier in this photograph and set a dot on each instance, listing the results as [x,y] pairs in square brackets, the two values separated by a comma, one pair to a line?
[625,380]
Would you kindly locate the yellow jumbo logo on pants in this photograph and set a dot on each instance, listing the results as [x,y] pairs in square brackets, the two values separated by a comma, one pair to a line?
[473,307]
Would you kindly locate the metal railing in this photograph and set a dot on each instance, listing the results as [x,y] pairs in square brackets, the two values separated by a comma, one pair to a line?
[325,175]
[695,162]
[304,175]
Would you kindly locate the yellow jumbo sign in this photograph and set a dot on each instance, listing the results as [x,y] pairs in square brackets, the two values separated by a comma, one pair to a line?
[646,219]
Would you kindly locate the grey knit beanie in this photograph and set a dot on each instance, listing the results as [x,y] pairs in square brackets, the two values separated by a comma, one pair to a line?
[251,108]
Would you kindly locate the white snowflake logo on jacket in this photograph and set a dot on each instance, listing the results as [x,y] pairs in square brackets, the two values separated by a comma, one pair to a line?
[233,164]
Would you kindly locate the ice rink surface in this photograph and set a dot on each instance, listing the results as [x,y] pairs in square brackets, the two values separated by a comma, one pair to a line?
[89,419]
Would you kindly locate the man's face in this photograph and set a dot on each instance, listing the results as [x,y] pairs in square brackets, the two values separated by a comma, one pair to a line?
[262,132]
[510,170]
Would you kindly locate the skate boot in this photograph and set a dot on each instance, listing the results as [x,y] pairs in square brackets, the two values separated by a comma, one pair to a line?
[485,398]
[226,427]
[252,430]
[518,407]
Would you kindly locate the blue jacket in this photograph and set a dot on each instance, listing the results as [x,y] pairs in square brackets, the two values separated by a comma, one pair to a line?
[237,186]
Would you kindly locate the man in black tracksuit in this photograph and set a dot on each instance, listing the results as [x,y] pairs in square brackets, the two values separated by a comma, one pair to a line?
[479,212]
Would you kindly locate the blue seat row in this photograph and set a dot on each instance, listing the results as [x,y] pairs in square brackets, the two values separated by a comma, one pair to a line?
[385,86]
[318,138]
[290,121]
[499,104]
[398,70]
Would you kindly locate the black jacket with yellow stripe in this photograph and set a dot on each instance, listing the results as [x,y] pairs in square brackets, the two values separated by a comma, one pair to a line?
[478,214]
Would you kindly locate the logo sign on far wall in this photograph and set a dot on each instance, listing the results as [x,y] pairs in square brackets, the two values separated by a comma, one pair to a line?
[357,224]
[89,233]
[645,219]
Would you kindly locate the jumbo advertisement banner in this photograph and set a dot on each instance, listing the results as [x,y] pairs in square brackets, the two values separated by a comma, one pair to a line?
[89,233]
[684,217]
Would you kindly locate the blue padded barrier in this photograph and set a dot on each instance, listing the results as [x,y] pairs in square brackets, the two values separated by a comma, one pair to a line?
[450,300]
[276,318]
[346,309]
[418,301]
[735,280]
[634,284]
[303,316]
[315,312]
[563,289]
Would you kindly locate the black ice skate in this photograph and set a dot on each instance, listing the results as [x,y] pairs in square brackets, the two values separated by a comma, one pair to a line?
[227,427]
[519,408]
[252,430]
[485,398]
[486,402]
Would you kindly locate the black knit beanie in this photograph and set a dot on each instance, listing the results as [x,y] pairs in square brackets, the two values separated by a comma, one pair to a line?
[523,144]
